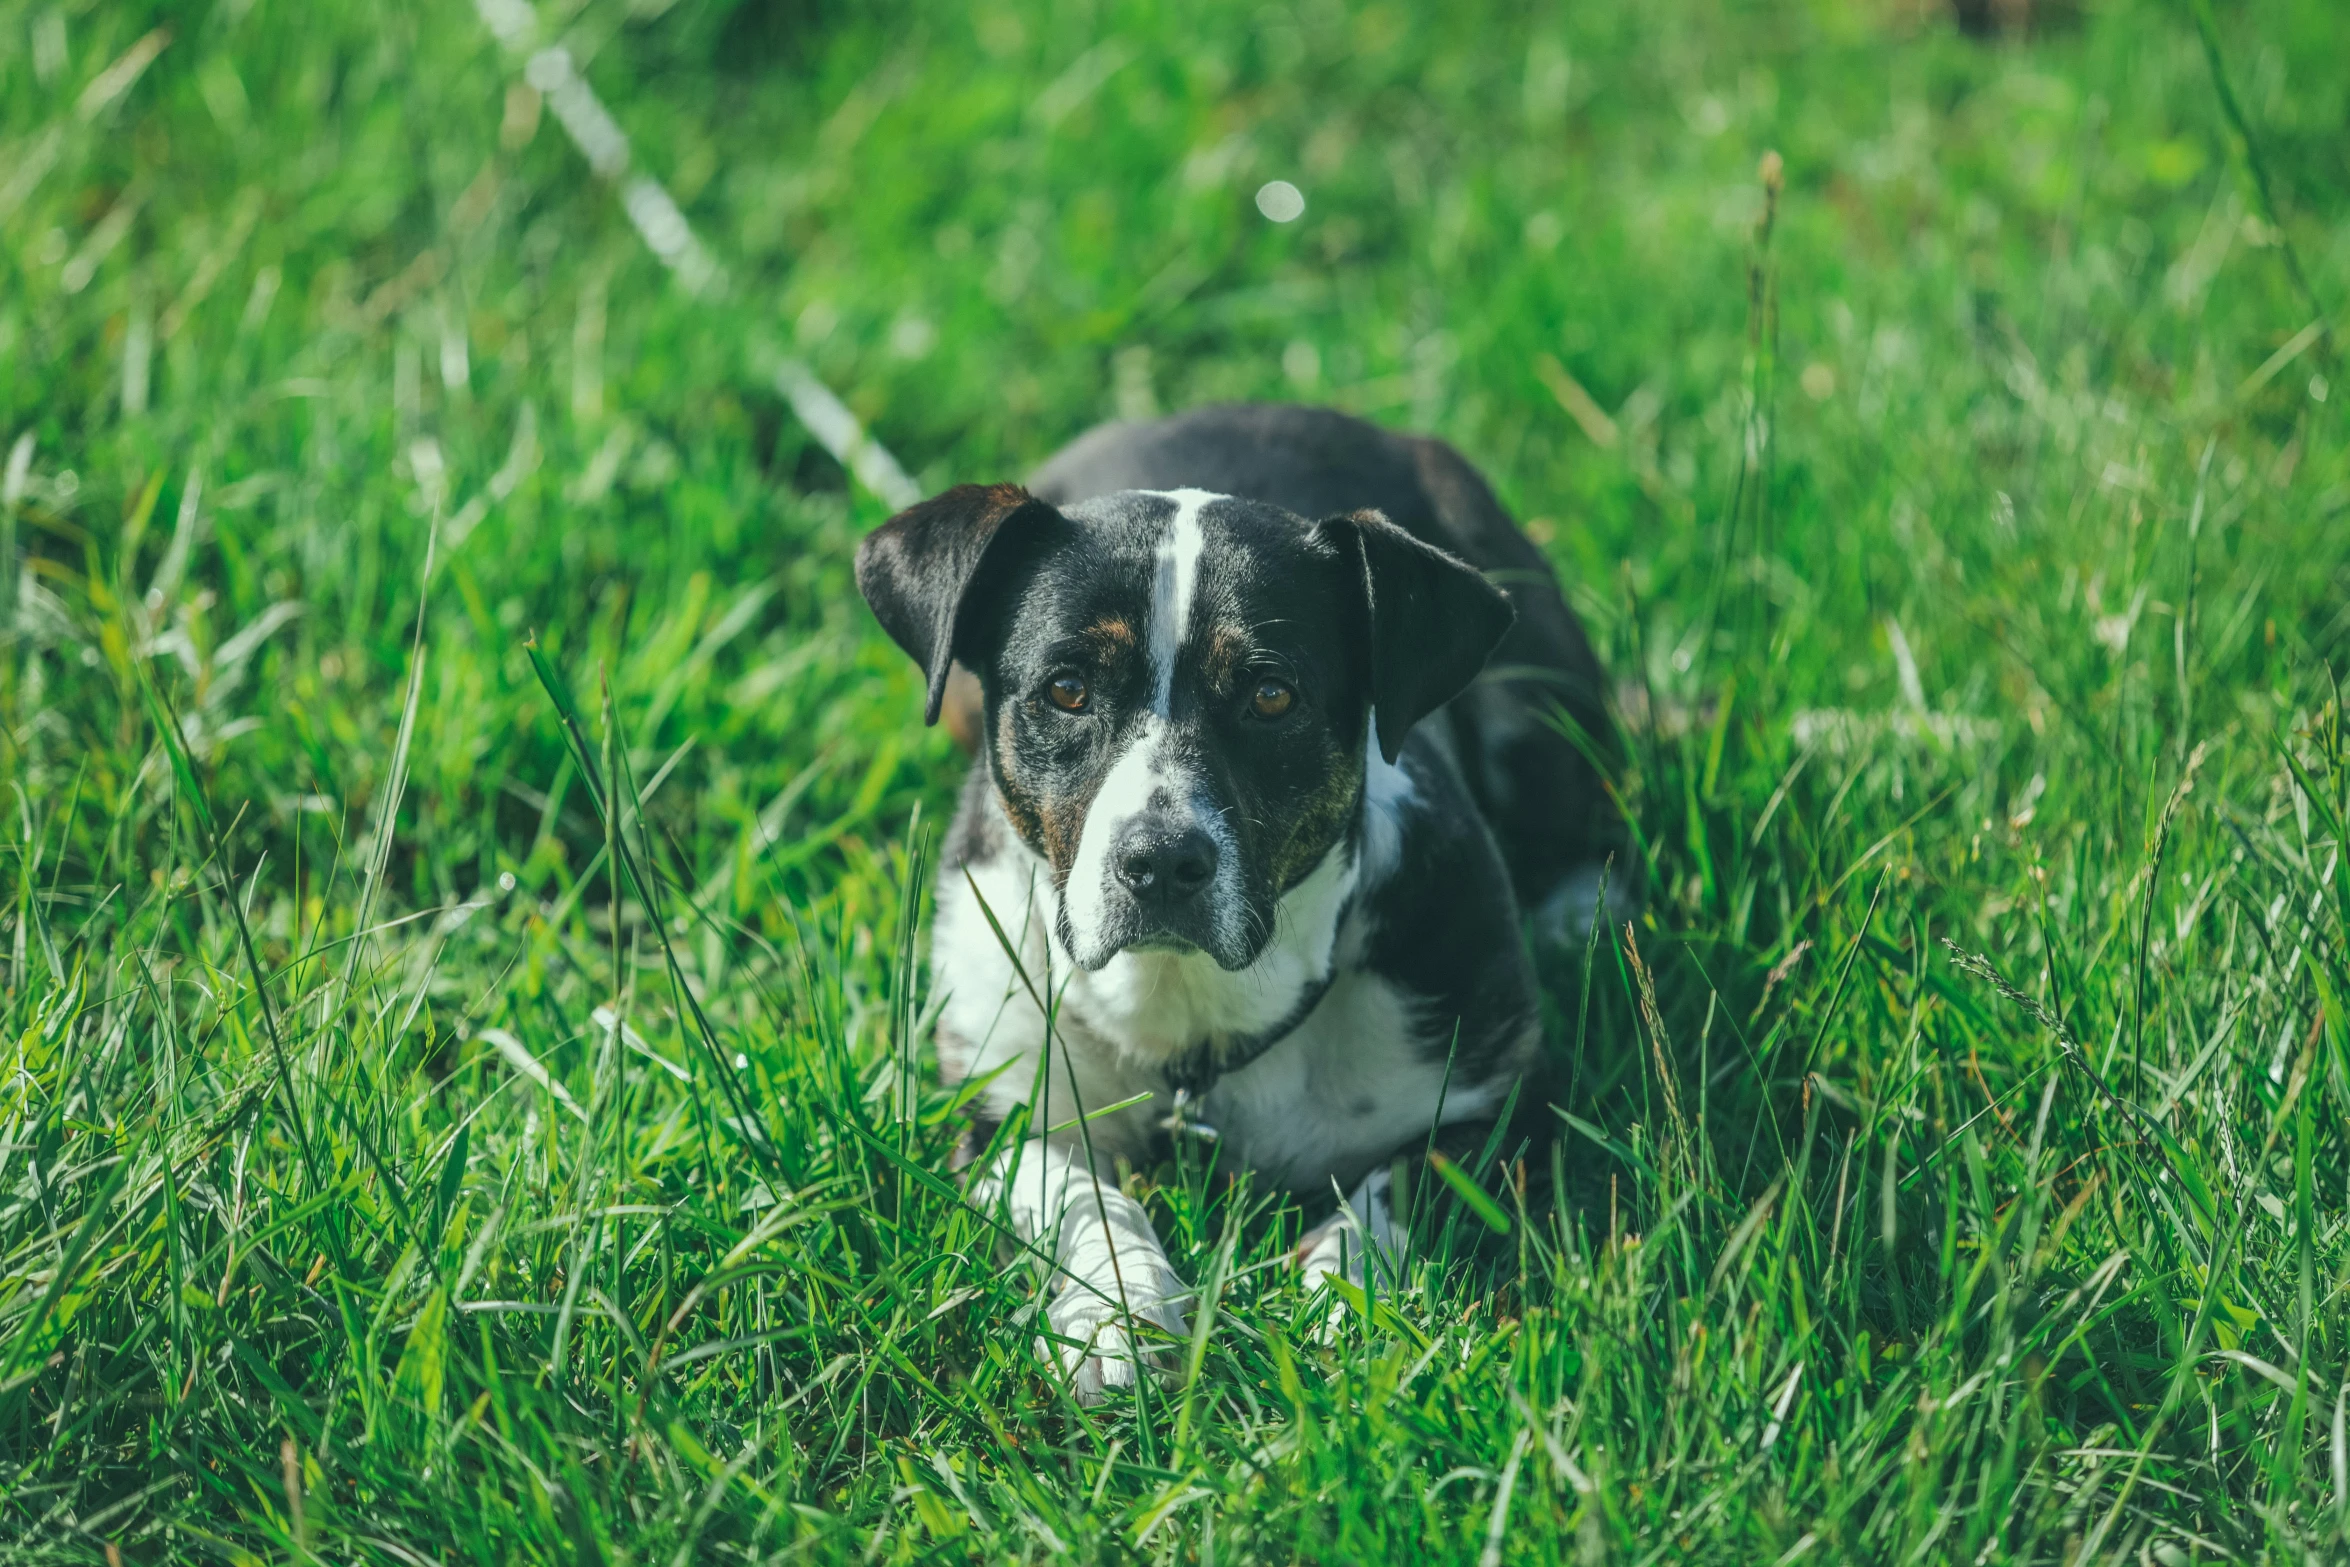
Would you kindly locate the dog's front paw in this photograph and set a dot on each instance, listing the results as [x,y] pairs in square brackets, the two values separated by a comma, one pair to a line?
[1341,1245]
[1331,1248]
[1096,1346]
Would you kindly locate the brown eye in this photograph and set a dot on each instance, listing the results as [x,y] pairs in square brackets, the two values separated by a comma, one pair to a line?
[1272,699]
[1068,692]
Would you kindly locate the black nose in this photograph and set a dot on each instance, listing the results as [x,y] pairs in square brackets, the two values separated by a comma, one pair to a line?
[1166,868]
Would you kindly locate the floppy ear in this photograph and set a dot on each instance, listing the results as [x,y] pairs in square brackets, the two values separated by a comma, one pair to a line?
[917,569]
[1433,621]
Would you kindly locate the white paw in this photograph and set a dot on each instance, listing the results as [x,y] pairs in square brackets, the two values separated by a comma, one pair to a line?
[1333,1247]
[1340,1246]
[1330,1250]
[1097,1348]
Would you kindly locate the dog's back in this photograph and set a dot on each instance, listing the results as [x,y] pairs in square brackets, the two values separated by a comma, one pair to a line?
[1536,787]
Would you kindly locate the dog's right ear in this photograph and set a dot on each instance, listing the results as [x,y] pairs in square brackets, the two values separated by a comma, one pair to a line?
[917,569]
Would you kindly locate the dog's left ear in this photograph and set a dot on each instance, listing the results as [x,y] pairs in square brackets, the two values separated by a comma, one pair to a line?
[917,569]
[1433,621]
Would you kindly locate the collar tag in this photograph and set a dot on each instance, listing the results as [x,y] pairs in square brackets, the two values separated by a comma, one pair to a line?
[1180,1121]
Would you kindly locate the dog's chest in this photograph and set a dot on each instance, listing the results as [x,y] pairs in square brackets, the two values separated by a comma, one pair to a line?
[1355,1081]
[1359,1077]
[1343,1085]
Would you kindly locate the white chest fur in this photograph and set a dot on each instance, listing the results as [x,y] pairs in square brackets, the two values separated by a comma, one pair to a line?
[1357,1080]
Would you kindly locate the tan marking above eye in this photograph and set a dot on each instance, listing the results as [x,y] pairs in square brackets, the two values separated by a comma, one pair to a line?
[1113,631]
[1272,698]
[1067,691]
[1226,656]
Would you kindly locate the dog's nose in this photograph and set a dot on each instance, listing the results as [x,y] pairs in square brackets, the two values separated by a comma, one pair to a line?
[1166,868]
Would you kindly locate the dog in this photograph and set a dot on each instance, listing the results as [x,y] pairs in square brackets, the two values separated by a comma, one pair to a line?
[1280,722]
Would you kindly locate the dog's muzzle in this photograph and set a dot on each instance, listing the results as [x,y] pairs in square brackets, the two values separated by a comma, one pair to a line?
[1167,882]
[1165,888]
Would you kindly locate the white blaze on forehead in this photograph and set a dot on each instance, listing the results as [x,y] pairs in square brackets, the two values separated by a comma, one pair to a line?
[1172,588]
[1141,770]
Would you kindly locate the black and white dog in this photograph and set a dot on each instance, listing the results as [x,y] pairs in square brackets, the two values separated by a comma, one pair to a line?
[1245,815]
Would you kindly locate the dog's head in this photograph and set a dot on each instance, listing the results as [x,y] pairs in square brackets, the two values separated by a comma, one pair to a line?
[1177,687]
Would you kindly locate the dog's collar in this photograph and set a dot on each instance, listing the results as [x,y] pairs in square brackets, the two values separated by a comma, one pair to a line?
[1191,1074]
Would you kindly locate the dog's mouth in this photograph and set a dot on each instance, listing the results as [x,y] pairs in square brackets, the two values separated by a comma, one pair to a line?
[1131,931]
[1164,941]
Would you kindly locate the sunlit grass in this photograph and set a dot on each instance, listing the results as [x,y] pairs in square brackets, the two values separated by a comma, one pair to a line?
[466,1093]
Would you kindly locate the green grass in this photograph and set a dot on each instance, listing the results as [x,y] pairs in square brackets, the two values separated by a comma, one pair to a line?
[1974,557]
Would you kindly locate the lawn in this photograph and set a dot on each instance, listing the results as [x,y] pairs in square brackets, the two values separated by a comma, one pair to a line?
[465,1093]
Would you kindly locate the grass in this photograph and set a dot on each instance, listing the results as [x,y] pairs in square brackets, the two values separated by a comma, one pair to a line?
[394,547]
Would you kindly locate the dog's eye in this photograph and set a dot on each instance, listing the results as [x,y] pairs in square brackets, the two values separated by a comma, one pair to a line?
[1068,691]
[1272,698]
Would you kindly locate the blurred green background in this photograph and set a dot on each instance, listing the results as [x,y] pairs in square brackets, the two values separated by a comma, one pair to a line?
[1964,512]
